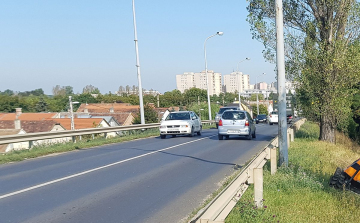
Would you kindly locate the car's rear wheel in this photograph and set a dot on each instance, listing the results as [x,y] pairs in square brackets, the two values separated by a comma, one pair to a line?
[220,137]
[173,136]
[249,137]
[163,136]
[270,123]
[227,137]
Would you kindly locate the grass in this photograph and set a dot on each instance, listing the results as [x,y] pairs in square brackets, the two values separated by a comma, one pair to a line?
[300,193]
[87,142]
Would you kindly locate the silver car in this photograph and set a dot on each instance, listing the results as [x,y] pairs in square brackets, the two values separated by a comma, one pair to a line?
[221,111]
[237,123]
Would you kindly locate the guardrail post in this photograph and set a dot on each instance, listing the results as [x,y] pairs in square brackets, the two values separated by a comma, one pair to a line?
[105,135]
[73,139]
[31,144]
[288,137]
[292,134]
[273,161]
[93,136]
[258,187]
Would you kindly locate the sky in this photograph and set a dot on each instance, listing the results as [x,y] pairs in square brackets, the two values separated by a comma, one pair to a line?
[91,42]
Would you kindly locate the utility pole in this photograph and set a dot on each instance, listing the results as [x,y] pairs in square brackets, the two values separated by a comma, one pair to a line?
[280,61]
[142,116]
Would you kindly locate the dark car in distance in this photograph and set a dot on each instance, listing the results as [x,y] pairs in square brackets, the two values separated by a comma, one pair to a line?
[261,118]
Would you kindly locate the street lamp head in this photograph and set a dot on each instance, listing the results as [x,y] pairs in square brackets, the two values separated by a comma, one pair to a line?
[220,33]
[247,58]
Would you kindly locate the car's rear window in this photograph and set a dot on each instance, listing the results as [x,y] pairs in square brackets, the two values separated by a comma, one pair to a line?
[274,113]
[233,115]
[224,109]
[178,116]
[261,116]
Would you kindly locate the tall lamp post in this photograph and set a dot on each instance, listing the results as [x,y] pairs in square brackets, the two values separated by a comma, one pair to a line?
[207,79]
[257,95]
[72,113]
[247,58]
[142,116]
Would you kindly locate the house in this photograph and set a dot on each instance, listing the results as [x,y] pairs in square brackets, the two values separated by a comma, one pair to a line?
[33,126]
[85,123]
[13,146]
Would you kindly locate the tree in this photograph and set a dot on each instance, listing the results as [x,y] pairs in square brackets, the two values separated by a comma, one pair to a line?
[322,54]
[253,97]
[89,89]
[150,115]
[41,106]
[262,110]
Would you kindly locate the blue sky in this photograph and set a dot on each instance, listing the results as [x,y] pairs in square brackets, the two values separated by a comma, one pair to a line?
[81,42]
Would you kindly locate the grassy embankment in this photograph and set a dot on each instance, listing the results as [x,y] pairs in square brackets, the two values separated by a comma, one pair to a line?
[300,193]
[86,142]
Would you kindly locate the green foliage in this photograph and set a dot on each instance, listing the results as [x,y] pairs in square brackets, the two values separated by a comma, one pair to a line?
[253,97]
[321,52]
[262,109]
[150,116]
[202,110]
[301,192]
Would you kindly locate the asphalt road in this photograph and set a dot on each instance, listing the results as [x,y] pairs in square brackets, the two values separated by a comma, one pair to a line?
[148,180]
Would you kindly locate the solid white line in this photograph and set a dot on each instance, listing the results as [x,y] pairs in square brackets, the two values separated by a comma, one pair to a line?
[92,170]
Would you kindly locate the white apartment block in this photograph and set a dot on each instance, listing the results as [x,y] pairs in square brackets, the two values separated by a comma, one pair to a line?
[185,81]
[261,86]
[189,80]
[236,81]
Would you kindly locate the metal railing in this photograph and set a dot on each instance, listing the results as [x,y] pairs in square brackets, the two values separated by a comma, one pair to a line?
[31,137]
[218,209]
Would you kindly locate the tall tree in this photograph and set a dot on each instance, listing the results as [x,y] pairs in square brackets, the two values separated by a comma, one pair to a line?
[321,50]
[89,89]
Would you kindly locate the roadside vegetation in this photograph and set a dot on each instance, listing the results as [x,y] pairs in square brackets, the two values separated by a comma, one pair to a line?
[86,142]
[301,192]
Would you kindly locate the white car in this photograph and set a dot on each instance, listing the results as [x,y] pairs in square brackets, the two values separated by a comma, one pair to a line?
[180,123]
[273,117]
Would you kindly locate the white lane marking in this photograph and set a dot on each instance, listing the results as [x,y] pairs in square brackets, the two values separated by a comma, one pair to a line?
[92,170]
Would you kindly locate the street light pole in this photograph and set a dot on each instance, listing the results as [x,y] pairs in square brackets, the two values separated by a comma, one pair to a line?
[72,124]
[280,64]
[240,81]
[257,95]
[207,79]
[142,116]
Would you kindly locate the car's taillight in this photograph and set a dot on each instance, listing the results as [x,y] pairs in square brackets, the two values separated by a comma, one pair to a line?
[220,122]
[270,116]
[246,123]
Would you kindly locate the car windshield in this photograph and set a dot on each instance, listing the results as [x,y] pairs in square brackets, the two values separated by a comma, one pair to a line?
[233,115]
[178,116]
[224,109]
[261,116]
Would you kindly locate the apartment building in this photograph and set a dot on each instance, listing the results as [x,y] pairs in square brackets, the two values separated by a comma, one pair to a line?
[236,81]
[189,80]
[261,86]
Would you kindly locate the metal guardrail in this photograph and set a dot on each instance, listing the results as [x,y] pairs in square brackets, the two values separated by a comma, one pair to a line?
[72,133]
[219,208]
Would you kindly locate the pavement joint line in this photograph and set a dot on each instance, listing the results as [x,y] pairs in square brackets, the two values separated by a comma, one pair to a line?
[95,169]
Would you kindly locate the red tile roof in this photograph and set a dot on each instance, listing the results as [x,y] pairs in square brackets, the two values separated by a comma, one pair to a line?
[120,117]
[30,126]
[27,116]
[79,123]
[105,107]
